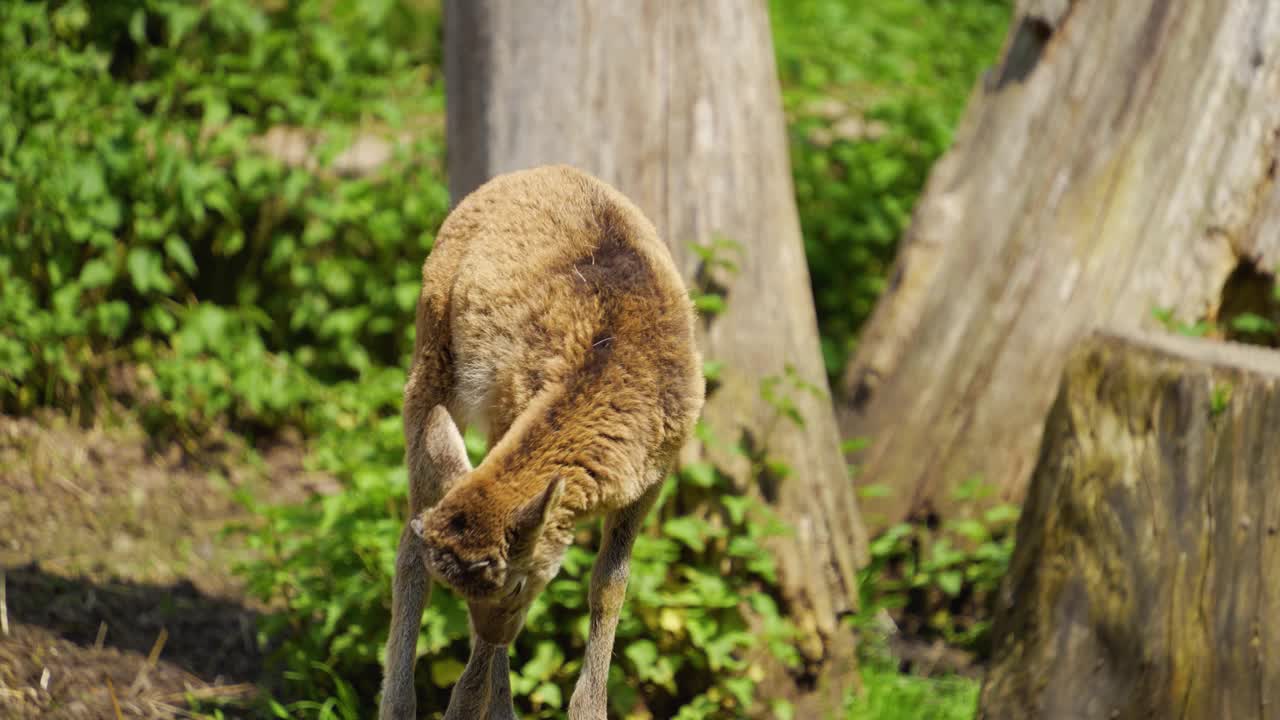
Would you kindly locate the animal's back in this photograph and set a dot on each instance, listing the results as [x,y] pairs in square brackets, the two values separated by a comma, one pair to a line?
[571,333]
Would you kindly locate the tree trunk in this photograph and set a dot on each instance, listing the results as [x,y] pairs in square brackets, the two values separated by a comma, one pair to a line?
[1120,159]
[678,106]
[1146,579]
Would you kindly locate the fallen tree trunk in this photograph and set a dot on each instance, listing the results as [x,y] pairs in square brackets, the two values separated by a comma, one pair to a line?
[1121,158]
[1146,578]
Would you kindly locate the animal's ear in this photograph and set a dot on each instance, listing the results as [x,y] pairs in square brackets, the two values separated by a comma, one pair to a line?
[531,518]
[445,448]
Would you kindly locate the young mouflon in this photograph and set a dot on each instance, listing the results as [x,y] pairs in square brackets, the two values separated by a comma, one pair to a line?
[553,318]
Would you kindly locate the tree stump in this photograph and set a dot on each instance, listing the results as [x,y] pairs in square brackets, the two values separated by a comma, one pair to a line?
[1146,578]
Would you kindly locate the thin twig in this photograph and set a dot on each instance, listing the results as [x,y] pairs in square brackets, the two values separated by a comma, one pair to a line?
[163,704]
[111,689]
[102,635]
[211,692]
[152,658]
[79,492]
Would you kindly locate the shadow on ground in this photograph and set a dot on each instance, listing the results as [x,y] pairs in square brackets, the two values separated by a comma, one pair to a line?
[76,648]
[117,573]
[210,637]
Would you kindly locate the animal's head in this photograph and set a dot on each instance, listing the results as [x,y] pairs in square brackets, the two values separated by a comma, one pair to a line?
[480,546]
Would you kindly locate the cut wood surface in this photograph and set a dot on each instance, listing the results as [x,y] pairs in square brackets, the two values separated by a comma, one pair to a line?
[1119,159]
[678,106]
[1146,578]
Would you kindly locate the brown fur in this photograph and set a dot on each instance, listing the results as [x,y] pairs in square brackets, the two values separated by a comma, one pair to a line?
[552,315]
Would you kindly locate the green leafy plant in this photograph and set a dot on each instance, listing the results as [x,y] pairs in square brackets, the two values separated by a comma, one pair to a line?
[872,92]
[1200,328]
[139,181]
[890,695]
[1220,399]
[937,582]
[719,261]
[1248,311]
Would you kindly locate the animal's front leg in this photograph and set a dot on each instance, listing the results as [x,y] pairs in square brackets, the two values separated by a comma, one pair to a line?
[409,593]
[590,699]
[484,690]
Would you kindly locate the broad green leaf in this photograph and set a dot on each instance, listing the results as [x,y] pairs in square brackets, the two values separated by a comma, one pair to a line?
[687,530]
[1252,323]
[700,473]
[96,273]
[147,271]
[709,303]
[950,582]
[177,250]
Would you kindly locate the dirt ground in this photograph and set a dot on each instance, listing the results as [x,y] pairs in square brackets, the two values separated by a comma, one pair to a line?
[115,574]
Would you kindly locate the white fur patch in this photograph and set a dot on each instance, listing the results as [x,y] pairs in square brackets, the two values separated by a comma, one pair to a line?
[474,388]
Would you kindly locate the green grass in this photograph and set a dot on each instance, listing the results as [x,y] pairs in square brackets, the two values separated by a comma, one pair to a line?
[890,695]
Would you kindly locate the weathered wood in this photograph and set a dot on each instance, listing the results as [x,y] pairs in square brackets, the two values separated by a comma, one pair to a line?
[1120,158]
[1146,578]
[678,106]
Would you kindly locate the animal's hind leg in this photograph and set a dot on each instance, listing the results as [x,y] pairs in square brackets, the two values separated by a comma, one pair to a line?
[608,589]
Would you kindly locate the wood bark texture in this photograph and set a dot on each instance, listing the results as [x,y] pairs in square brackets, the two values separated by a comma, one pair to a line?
[678,106]
[1146,578]
[1121,158]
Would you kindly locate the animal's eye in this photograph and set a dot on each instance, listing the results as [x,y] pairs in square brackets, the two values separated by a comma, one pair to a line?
[458,523]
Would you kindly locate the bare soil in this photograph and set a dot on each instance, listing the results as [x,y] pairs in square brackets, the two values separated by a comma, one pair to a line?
[116,583]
